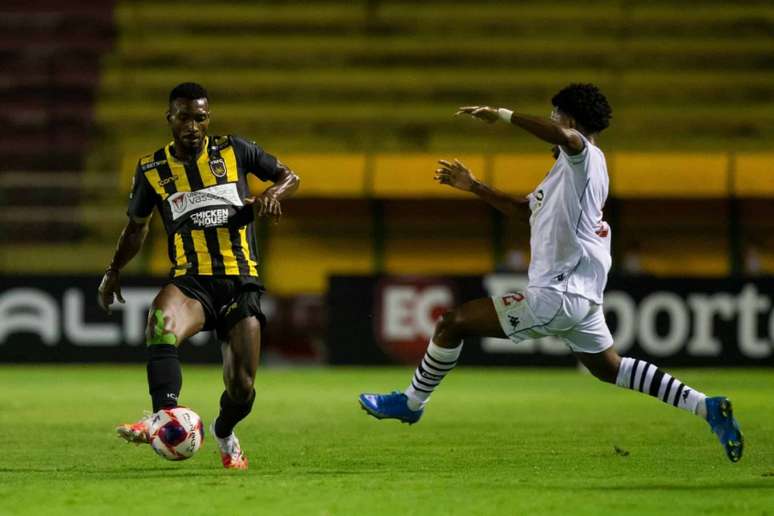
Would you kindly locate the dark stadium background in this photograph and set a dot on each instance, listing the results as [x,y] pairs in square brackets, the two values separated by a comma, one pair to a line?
[358,98]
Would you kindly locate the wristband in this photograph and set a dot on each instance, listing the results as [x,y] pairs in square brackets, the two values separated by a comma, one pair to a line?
[505,115]
[111,268]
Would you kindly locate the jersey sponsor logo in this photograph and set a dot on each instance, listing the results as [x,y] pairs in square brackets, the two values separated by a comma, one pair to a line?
[210,218]
[182,203]
[218,167]
[536,202]
[170,179]
[153,164]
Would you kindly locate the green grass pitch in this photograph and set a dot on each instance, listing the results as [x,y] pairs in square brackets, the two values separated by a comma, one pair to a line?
[492,441]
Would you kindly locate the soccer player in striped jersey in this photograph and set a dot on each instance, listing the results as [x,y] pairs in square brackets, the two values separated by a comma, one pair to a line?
[198,184]
[570,246]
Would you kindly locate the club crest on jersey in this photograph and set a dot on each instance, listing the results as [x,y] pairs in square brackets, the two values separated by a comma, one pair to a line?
[177,201]
[218,167]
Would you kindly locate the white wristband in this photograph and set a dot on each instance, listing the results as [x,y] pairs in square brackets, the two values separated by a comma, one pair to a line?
[505,115]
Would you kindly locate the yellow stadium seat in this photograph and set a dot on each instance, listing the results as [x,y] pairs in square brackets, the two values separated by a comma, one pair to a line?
[297,263]
[669,175]
[438,256]
[312,242]
[754,175]
[411,175]
[686,264]
[519,174]
[329,175]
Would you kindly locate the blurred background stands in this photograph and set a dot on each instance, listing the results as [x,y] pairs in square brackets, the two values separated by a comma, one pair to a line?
[359,97]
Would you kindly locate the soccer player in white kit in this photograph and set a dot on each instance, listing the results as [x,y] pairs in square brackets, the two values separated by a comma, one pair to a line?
[570,259]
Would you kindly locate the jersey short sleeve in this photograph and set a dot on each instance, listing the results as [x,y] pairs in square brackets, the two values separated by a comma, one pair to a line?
[255,160]
[142,198]
[578,161]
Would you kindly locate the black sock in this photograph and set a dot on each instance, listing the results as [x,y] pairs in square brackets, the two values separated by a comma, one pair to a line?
[231,413]
[164,376]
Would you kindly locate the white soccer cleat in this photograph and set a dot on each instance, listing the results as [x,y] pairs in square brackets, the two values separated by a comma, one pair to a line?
[137,433]
[230,450]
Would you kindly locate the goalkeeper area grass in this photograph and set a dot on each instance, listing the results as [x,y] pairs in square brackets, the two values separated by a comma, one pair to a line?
[491,441]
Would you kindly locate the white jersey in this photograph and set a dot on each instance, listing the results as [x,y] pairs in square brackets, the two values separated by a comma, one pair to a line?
[570,243]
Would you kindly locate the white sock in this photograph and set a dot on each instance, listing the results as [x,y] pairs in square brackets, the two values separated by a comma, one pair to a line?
[436,364]
[645,377]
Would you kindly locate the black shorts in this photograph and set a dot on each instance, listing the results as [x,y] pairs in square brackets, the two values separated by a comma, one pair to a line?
[226,300]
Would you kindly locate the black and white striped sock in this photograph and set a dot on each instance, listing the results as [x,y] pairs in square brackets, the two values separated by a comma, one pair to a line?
[436,364]
[639,375]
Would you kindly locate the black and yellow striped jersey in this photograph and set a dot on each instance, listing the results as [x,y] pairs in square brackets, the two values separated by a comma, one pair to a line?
[209,228]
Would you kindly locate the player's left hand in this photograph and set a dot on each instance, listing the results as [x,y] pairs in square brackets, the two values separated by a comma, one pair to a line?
[266,205]
[485,113]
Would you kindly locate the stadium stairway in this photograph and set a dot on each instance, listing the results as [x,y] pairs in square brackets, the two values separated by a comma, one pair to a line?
[51,54]
[387,75]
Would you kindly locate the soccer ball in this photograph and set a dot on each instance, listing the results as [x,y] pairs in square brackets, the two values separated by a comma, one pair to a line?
[176,433]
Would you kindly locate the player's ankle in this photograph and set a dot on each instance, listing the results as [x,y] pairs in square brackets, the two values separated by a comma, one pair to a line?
[701,409]
[413,402]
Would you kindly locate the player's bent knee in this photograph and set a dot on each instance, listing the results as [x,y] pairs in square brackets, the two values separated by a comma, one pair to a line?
[445,322]
[247,327]
[159,329]
[443,328]
[450,325]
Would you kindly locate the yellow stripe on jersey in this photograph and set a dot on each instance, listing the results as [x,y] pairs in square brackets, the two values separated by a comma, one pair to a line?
[178,171]
[229,259]
[202,253]
[229,156]
[203,165]
[247,253]
[180,259]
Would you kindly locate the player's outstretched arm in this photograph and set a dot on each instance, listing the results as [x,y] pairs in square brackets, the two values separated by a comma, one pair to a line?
[129,244]
[457,175]
[268,203]
[545,129]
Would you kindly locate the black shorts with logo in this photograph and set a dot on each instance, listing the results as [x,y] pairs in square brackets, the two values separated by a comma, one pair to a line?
[226,299]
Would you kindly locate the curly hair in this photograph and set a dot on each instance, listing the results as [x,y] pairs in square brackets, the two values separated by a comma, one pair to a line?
[189,91]
[586,104]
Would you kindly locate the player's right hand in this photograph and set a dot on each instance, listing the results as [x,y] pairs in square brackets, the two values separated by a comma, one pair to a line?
[109,286]
[266,205]
[455,174]
[485,113]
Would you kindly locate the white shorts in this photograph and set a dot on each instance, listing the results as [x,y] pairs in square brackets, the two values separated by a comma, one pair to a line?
[540,312]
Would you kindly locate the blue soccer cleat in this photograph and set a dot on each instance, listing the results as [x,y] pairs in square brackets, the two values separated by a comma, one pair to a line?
[390,406]
[720,417]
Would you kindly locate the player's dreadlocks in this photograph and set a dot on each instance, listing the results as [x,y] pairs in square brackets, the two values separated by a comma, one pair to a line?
[586,104]
[188,90]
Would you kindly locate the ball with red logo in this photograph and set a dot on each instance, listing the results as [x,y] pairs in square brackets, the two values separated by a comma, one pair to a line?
[176,433]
